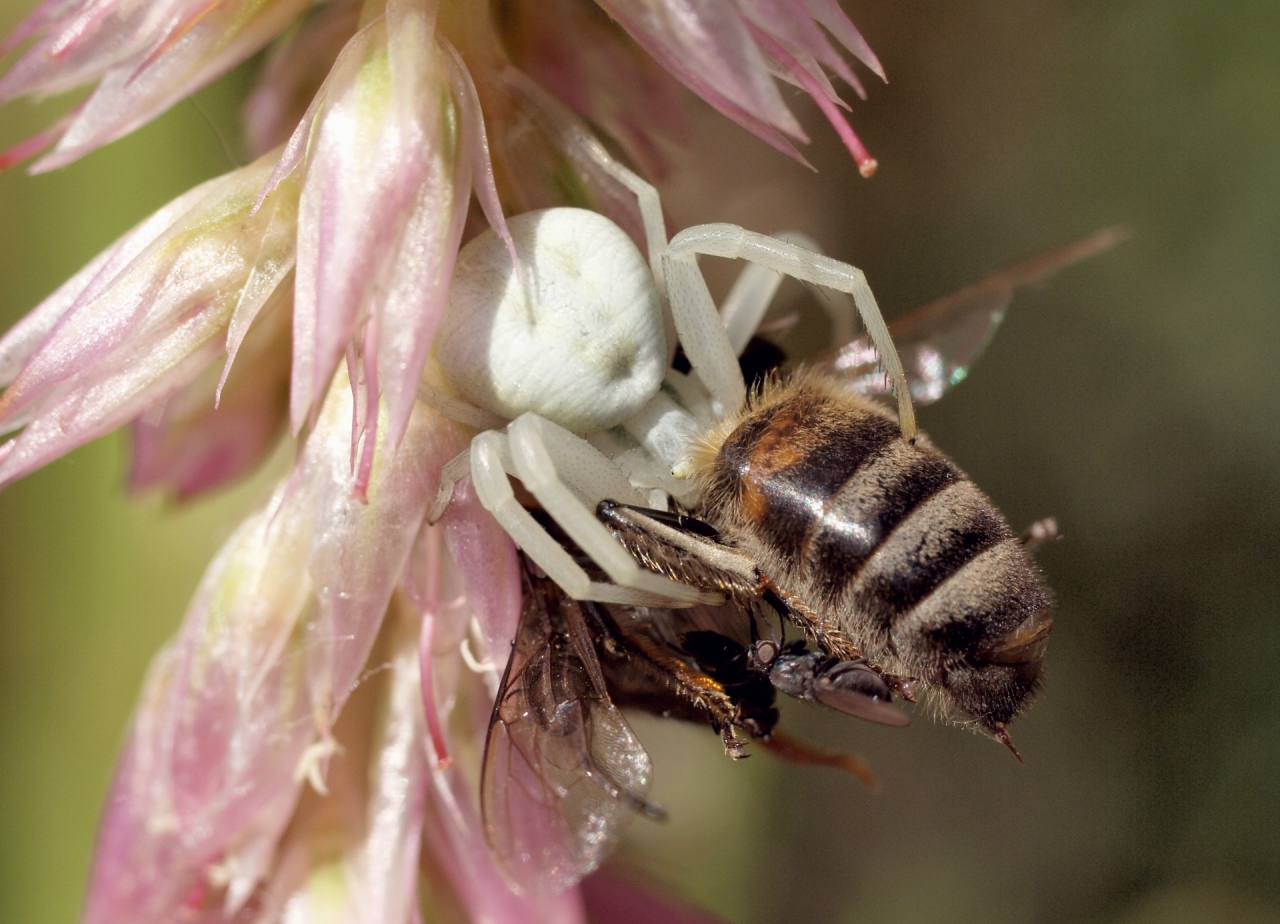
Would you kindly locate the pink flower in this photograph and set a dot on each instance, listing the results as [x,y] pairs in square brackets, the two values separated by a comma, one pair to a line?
[305,748]
[146,56]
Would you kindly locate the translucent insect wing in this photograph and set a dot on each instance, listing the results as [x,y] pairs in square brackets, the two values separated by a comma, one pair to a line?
[563,773]
[939,342]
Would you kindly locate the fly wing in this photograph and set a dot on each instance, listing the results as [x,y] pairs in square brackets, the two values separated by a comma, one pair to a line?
[939,342]
[563,773]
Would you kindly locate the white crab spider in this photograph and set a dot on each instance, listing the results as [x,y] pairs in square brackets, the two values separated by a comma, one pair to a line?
[564,367]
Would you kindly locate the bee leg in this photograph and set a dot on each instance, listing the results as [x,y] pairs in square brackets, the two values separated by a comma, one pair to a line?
[733,747]
[701,689]
[826,636]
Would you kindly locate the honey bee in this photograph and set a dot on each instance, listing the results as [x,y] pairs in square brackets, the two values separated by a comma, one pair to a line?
[877,547]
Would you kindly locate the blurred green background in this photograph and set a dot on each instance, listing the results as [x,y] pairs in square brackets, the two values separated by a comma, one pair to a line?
[1132,398]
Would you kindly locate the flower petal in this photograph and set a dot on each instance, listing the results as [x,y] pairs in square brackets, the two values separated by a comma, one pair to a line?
[294,73]
[589,63]
[837,22]
[792,24]
[818,90]
[417,288]
[147,331]
[705,44]
[352,855]
[24,337]
[543,149]
[455,839]
[195,440]
[77,44]
[489,573]
[365,164]
[360,548]
[206,779]
[206,42]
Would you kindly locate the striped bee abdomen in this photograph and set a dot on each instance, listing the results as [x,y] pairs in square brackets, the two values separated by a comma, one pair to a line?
[890,541]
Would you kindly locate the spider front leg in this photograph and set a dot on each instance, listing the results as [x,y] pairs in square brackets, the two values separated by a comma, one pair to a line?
[524,452]
[686,285]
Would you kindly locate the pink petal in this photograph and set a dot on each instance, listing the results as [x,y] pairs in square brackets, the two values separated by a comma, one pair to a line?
[481,562]
[36,22]
[206,778]
[543,140]
[829,14]
[89,410]
[359,548]
[12,156]
[126,98]
[866,163]
[137,337]
[24,337]
[384,866]
[365,163]
[792,24]
[488,570]
[476,144]
[590,64]
[79,46]
[456,843]
[705,44]
[187,446]
[209,776]
[294,74]
[417,289]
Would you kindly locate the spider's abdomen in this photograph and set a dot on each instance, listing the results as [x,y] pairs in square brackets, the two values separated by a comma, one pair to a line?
[577,338]
[889,541]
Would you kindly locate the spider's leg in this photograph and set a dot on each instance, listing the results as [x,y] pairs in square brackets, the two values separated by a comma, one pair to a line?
[655,229]
[753,291]
[569,477]
[490,465]
[459,411]
[737,243]
[702,333]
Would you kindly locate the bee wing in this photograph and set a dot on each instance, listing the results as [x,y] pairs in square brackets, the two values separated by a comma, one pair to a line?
[939,342]
[562,773]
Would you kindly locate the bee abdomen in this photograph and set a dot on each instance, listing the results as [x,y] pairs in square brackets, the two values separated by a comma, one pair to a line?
[932,544]
[869,506]
[976,607]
